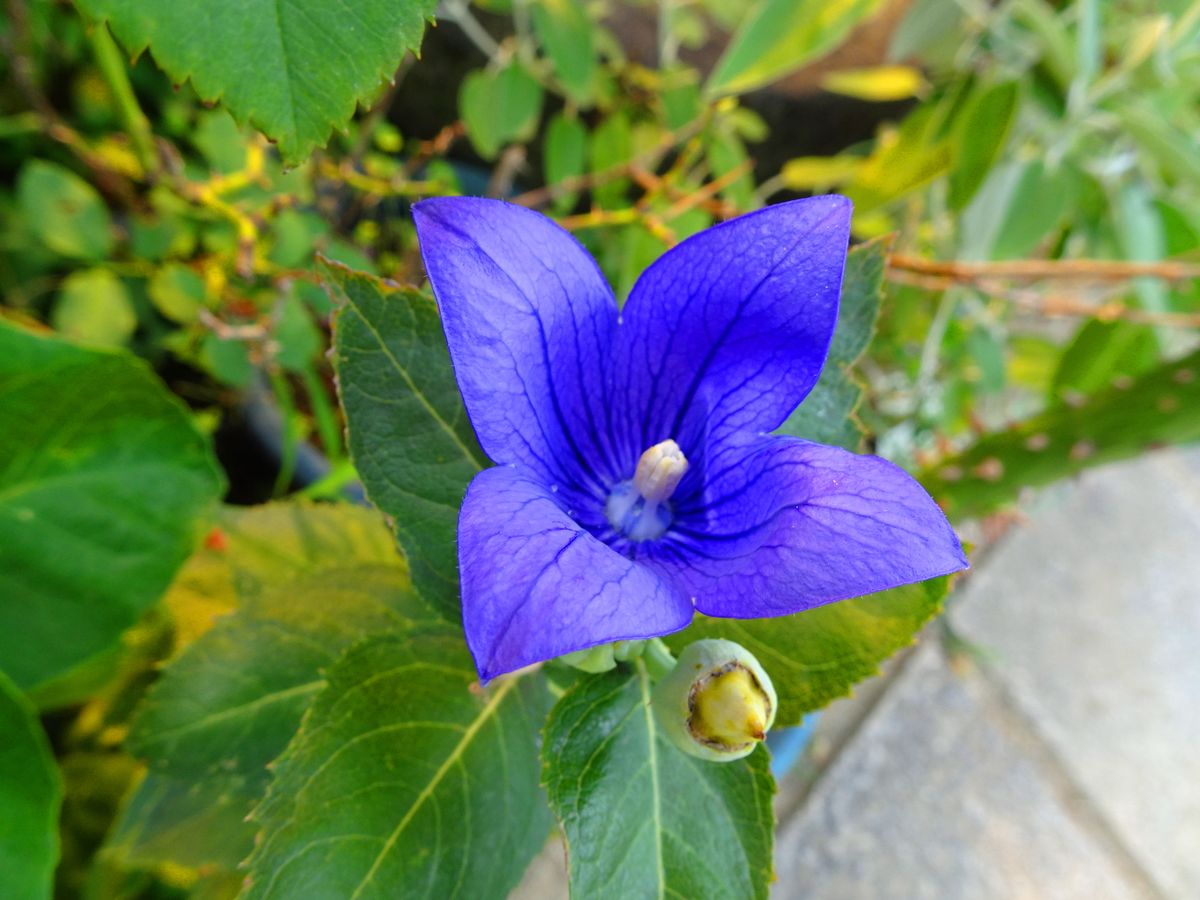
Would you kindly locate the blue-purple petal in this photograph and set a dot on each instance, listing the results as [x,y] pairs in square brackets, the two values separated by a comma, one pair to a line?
[530,322]
[535,585]
[732,325]
[787,525]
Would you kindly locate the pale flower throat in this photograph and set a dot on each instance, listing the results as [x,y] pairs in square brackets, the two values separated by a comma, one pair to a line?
[639,509]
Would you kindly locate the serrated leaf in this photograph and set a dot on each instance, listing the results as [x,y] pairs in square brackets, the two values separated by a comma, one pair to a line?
[1120,421]
[101,493]
[780,36]
[195,823]
[307,582]
[405,780]
[408,432]
[818,655]
[827,414]
[30,795]
[232,699]
[643,819]
[295,69]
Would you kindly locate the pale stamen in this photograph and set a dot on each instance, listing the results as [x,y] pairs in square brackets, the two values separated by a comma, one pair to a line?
[638,508]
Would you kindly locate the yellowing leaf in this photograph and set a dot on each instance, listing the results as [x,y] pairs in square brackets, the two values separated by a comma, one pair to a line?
[879,83]
[806,173]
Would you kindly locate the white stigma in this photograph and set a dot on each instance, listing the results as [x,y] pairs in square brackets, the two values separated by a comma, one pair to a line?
[636,508]
[659,471]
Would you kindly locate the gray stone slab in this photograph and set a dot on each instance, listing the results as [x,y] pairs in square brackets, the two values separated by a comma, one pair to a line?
[1090,616]
[935,797]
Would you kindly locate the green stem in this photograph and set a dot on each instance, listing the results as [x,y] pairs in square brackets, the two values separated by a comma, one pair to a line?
[113,69]
[658,659]
[330,485]
[287,452]
[323,415]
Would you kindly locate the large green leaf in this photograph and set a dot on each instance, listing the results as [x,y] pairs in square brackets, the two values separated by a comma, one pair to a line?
[293,68]
[408,431]
[103,479]
[405,780]
[231,701]
[198,823]
[816,656]
[827,415]
[1122,420]
[30,794]
[780,36]
[643,819]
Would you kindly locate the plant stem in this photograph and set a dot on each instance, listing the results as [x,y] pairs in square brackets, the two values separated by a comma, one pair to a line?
[658,659]
[116,75]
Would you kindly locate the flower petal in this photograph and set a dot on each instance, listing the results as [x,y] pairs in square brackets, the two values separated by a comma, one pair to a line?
[529,321]
[536,585]
[788,525]
[734,323]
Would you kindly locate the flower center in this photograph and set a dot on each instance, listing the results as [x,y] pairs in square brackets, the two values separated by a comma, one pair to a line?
[638,508]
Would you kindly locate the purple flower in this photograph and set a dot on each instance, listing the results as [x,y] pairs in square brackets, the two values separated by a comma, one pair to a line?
[636,479]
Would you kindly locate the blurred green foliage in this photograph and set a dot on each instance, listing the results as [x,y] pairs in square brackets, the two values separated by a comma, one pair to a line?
[993,151]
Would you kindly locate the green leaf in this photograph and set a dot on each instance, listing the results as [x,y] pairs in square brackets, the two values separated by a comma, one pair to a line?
[902,161]
[64,211]
[30,795]
[295,69]
[725,152]
[178,292]
[816,656]
[566,34]
[1166,144]
[643,819]
[409,435]
[565,152]
[1122,420]
[611,146]
[94,307]
[783,35]
[980,135]
[307,582]
[101,492]
[405,779]
[498,107]
[1141,235]
[1100,352]
[827,415]
[1037,205]
[195,823]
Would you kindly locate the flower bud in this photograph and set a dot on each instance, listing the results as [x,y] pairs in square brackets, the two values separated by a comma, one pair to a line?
[717,703]
[594,659]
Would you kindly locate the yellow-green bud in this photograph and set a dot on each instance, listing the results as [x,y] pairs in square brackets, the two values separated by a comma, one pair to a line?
[717,703]
[594,659]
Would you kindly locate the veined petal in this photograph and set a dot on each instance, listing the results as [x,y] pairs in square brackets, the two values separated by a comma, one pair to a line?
[740,316]
[535,585]
[530,322]
[788,525]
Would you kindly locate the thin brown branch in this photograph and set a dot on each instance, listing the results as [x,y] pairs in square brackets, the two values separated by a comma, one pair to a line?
[1036,269]
[1054,305]
[645,162]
